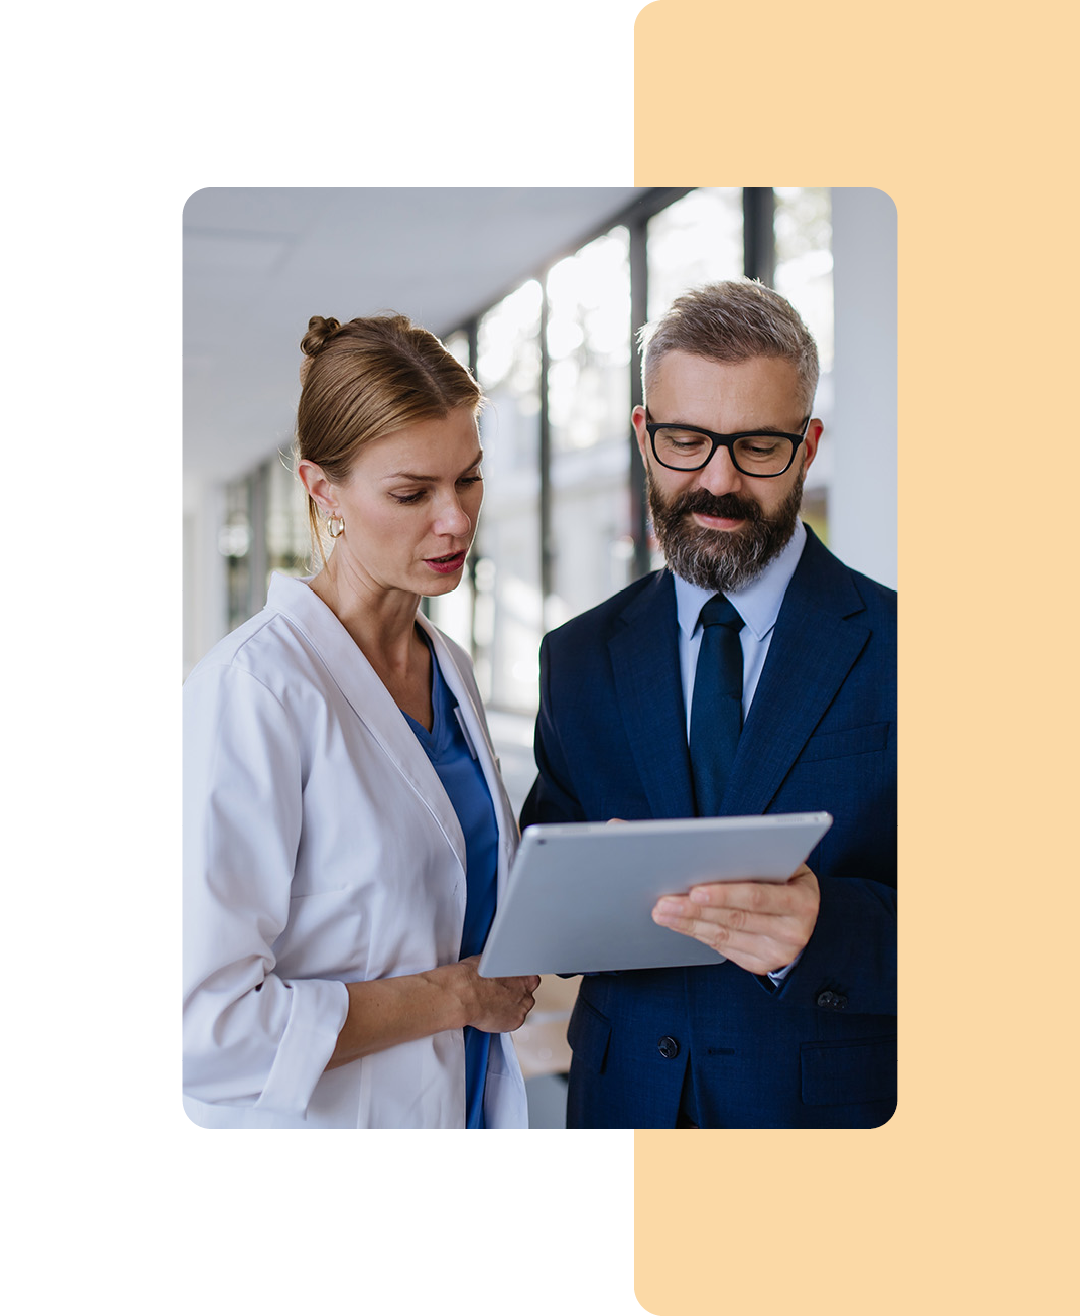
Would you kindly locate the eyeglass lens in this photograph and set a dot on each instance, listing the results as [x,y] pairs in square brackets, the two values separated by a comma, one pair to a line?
[754,454]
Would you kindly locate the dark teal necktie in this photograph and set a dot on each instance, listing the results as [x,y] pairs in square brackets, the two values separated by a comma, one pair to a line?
[716,714]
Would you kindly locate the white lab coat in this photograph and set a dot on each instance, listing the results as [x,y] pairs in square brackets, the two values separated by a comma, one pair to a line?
[320,848]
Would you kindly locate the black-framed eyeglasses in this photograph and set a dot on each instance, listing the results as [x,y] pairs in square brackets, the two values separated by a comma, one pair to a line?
[761,453]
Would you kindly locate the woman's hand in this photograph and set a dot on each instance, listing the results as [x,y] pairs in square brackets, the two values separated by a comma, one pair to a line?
[388,1011]
[494,1005]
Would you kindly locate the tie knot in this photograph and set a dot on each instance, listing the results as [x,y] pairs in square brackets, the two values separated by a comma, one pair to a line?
[720,611]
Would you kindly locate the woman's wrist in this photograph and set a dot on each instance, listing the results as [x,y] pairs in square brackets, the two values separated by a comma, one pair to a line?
[387,1011]
[455,987]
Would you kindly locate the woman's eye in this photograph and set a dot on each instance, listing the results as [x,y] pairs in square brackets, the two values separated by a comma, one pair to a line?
[408,498]
[470,479]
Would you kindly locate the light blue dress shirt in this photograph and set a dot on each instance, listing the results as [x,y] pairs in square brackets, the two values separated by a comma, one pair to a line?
[759,606]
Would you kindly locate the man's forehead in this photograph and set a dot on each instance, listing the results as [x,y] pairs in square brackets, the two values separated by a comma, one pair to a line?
[755,384]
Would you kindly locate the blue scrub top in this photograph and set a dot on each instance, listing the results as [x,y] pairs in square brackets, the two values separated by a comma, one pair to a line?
[463,780]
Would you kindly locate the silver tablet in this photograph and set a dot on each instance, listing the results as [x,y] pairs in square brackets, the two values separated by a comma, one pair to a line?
[580,894]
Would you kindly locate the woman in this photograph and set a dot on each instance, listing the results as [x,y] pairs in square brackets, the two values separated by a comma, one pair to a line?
[346,830]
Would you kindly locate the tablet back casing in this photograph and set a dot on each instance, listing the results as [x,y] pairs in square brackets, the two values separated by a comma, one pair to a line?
[580,894]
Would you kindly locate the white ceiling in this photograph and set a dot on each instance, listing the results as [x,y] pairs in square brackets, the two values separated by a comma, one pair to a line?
[258,262]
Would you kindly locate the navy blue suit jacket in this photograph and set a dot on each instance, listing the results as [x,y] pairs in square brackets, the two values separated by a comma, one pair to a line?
[820,1050]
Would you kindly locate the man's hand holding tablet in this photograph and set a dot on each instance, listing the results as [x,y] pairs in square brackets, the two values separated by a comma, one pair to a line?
[761,926]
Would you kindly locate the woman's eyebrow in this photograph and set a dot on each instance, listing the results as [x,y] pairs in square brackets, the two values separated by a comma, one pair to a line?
[432,479]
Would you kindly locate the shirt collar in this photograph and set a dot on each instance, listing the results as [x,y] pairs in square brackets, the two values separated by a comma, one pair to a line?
[758,603]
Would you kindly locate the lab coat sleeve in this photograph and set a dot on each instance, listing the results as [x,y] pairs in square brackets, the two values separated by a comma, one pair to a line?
[250,1037]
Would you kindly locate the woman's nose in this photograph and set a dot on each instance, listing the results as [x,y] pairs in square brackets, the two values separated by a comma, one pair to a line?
[452,518]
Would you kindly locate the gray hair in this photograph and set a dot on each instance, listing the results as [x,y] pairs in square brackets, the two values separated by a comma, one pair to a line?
[732,321]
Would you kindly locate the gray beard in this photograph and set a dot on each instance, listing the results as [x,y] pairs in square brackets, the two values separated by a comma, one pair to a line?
[720,560]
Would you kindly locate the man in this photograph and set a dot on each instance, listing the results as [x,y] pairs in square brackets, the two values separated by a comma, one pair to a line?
[640,717]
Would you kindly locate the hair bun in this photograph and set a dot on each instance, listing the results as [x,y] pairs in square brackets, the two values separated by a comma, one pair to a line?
[320,331]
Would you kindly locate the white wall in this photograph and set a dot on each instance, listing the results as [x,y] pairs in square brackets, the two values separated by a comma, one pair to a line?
[862,500]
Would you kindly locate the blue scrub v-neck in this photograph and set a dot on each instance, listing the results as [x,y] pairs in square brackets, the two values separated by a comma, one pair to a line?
[463,780]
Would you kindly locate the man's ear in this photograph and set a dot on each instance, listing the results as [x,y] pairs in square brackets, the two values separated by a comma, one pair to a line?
[814,432]
[637,416]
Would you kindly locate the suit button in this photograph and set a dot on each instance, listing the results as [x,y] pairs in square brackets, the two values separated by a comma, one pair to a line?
[669,1048]
[832,1001]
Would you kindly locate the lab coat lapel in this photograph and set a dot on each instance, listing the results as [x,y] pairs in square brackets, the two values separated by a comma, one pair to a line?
[369,699]
[648,691]
[816,641]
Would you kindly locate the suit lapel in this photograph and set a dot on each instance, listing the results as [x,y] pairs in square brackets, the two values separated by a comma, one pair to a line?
[817,639]
[648,690]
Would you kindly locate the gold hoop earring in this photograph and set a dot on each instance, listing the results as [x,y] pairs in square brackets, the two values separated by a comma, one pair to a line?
[334,534]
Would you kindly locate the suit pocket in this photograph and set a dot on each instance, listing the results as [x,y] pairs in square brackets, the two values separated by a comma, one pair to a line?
[589,1033]
[842,744]
[843,1073]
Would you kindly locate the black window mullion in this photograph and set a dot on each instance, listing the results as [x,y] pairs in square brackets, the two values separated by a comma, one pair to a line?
[472,332]
[759,245]
[639,303]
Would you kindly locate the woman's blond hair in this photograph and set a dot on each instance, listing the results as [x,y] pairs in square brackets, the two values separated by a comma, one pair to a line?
[365,379]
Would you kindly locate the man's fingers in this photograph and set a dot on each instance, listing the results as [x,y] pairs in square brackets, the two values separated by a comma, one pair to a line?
[792,897]
[757,953]
[760,925]
[675,912]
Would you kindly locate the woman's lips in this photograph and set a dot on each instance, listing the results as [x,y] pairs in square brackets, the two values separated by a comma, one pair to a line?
[446,565]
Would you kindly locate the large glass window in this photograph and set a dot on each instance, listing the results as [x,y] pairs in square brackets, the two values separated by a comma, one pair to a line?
[802,229]
[508,610]
[697,239]
[588,340]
